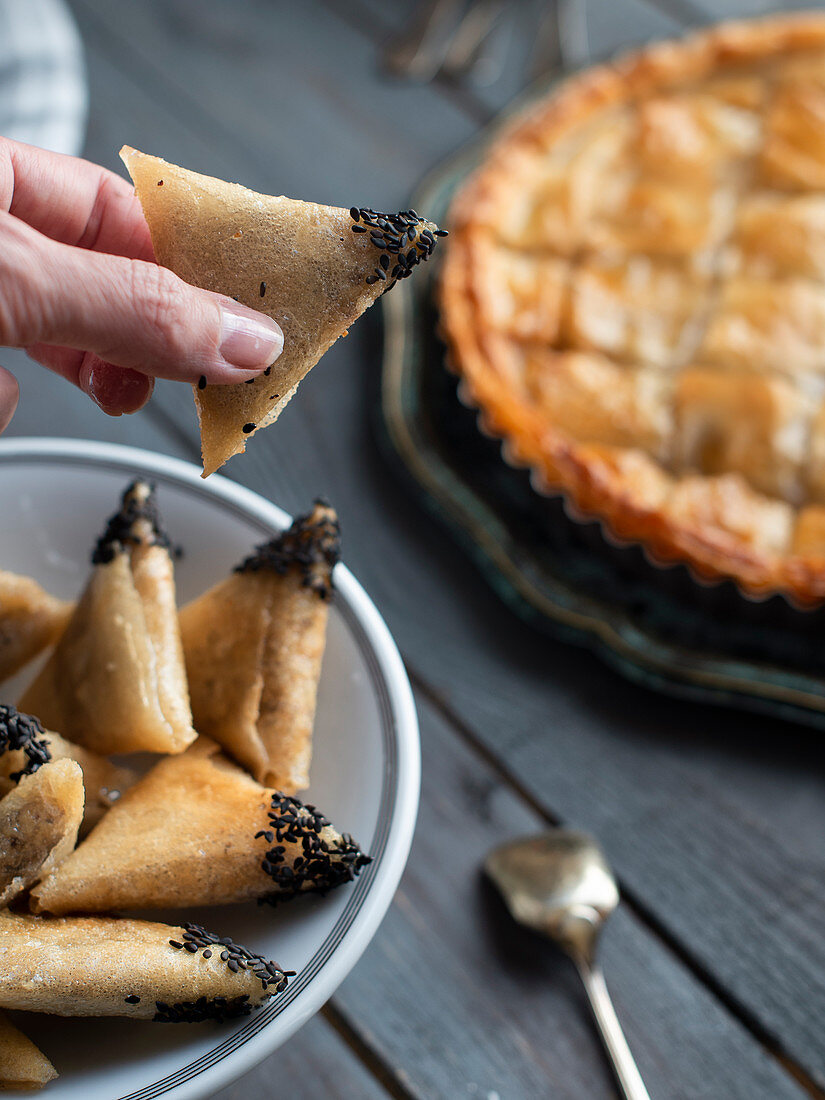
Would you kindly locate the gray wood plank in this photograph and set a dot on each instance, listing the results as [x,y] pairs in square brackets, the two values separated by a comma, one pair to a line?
[694,11]
[50,406]
[470,1005]
[314,1063]
[714,820]
[268,87]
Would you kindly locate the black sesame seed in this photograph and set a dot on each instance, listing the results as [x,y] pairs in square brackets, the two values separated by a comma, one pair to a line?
[322,866]
[193,1012]
[355,213]
[202,382]
[236,957]
[263,289]
[359,229]
[160,183]
[385,262]
[312,546]
[25,733]
[370,279]
[138,503]
[247,428]
[132,999]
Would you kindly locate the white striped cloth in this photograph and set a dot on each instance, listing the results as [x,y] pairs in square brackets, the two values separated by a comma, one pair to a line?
[43,89]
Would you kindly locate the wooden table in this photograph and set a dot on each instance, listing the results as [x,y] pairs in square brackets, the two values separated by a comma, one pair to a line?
[714,820]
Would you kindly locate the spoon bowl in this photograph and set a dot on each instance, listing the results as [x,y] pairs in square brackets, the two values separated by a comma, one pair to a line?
[559,884]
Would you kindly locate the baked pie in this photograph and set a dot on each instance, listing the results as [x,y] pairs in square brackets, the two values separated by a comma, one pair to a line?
[634,294]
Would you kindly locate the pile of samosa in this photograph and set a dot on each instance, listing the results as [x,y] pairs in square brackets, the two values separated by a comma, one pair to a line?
[223,693]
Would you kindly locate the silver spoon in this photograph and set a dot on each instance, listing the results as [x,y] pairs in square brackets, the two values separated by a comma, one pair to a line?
[559,884]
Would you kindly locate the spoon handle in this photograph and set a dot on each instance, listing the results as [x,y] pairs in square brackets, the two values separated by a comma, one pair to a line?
[627,1074]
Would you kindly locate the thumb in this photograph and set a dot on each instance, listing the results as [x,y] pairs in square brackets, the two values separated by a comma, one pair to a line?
[130,313]
[9,394]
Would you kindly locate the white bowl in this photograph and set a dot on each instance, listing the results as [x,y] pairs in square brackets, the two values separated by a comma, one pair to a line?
[55,496]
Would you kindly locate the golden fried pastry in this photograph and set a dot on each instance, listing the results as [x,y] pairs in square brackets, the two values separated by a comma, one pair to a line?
[809,532]
[22,1065]
[636,281]
[115,682]
[769,446]
[253,646]
[197,830]
[635,309]
[778,236]
[314,269]
[39,821]
[104,781]
[102,966]
[30,620]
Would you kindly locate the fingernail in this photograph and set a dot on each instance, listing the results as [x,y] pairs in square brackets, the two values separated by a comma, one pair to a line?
[249,340]
[116,390]
[91,385]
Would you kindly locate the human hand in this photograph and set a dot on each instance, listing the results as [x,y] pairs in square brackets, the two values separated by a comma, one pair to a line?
[80,291]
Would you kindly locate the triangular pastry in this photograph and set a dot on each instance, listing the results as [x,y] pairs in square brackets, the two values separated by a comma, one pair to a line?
[197,830]
[30,620]
[39,821]
[102,966]
[22,733]
[22,1065]
[314,269]
[253,646]
[115,682]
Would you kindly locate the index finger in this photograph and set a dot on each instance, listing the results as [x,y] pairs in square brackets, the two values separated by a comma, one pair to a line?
[72,201]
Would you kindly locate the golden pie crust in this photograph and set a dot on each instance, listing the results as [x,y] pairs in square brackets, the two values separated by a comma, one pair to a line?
[634,296]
